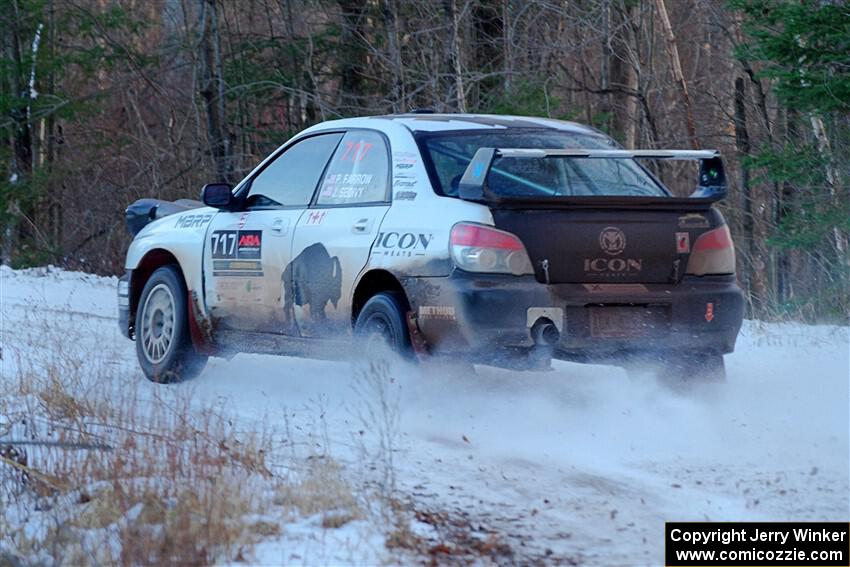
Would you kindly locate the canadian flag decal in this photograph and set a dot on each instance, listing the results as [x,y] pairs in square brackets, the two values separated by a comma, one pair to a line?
[683,242]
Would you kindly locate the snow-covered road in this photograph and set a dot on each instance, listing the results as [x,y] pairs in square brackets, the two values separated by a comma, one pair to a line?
[580,464]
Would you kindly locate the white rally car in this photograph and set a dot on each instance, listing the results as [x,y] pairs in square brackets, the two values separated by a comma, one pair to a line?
[502,240]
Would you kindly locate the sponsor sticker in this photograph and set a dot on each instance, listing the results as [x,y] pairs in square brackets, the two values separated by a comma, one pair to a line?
[405,195]
[693,220]
[709,312]
[402,244]
[616,288]
[243,219]
[683,242]
[249,244]
[196,220]
[437,312]
[404,160]
[237,245]
[242,290]
[404,182]
[612,266]
[612,240]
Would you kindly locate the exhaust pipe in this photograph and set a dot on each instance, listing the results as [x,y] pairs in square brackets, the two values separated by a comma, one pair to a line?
[545,333]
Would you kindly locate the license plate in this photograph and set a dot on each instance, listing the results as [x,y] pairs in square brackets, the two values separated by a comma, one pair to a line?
[624,322]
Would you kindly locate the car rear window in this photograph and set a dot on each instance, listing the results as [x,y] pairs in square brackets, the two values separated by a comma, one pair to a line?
[450,154]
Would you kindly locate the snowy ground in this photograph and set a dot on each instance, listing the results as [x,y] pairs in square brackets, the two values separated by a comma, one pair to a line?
[578,465]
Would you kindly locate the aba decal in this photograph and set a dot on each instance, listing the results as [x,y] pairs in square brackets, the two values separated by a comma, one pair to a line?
[313,278]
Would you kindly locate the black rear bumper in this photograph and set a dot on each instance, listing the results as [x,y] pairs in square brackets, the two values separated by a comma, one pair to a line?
[482,314]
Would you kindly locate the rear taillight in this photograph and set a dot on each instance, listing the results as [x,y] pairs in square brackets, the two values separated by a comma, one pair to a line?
[479,248]
[712,253]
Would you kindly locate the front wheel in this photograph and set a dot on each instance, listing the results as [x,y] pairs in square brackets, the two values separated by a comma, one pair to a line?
[163,344]
[381,324]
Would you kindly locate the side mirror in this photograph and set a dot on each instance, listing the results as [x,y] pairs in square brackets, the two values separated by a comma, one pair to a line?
[712,180]
[218,195]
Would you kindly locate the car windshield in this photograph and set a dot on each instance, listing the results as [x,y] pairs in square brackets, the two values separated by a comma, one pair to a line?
[555,177]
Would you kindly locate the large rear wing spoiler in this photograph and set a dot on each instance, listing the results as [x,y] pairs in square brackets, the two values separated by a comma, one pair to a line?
[710,187]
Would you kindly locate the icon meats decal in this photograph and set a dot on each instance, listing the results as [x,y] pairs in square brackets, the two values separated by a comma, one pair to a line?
[312,278]
[405,244]
[237,252]
[620,265]
[612,241]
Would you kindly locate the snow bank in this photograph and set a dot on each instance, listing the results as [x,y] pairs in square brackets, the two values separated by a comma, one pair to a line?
[583,461]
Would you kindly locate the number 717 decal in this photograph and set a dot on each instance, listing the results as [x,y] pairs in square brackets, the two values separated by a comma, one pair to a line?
[236,244]
[355,151]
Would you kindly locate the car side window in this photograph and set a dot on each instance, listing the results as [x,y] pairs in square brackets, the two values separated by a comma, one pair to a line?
[358,172]
[291,179]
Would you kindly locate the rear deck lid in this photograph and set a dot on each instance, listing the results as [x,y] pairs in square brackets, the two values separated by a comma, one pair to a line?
[607,245]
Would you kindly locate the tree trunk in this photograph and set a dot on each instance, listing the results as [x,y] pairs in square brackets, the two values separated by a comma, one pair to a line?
[751,280]
[212,90]
[679,76]
[21,157]
[507,52]
[783,204]
[605,66]
[624,81]
[389,10]
[456,54]
[832,177]
[353,58]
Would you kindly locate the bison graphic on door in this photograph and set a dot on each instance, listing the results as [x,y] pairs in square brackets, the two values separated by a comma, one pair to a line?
[313,278]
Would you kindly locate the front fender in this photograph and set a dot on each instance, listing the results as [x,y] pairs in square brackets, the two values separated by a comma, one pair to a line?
[180,235]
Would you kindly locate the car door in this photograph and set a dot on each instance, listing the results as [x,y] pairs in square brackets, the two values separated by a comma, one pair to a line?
[246,251]
[334,237]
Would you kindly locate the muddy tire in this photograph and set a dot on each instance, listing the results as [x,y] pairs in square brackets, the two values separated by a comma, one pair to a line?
[163,344]
[381,324]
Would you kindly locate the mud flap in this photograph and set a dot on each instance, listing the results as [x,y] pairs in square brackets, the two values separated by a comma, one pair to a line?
[417,340]
[201,328]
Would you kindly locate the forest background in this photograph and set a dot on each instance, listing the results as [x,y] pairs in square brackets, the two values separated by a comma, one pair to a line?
[103,102]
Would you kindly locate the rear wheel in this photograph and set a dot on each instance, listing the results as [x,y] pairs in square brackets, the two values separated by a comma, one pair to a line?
[163,345]
[381,325]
